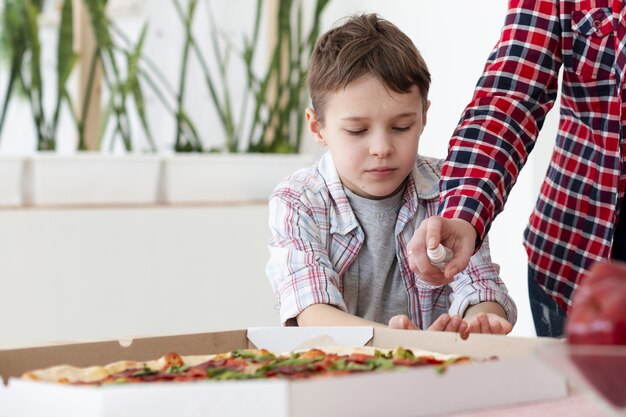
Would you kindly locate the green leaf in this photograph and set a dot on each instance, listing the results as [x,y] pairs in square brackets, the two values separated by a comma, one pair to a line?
[177,369]
[100,24]
[402,353]
[145,371]
[66,58]
[135,86]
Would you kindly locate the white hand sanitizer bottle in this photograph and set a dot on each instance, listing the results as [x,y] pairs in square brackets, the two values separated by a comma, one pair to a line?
[440,256]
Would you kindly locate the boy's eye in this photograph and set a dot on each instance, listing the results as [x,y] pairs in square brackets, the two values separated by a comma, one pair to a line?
[356,132]
[402,129]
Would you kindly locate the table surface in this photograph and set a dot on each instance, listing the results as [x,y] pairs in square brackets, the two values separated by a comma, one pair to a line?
[577,405]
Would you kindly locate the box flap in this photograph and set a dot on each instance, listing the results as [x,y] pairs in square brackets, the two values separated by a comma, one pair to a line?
[285,339]
[476,346]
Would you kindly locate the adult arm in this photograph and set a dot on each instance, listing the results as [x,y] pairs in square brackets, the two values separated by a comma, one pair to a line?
[496,133]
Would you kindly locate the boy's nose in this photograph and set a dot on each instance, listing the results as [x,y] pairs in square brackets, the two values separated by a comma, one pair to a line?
[380,146]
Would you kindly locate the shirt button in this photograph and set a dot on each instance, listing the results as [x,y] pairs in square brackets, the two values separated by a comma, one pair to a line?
[597,24]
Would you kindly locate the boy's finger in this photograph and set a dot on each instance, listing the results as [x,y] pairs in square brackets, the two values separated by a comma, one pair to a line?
[496,328]
[474,326]
[455,322]
[506,327]
[485,326]
[441,323]
[401,321]
[407,324]
[464,330]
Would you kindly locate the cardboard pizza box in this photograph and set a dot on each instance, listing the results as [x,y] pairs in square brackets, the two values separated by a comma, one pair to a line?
[517,376]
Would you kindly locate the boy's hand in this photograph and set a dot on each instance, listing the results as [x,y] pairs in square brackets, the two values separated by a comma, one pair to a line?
[402,322]
[488,323]
[447,323]
[455,234]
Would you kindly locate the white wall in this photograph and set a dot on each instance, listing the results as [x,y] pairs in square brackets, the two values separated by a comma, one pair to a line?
[75,274]
[106,273]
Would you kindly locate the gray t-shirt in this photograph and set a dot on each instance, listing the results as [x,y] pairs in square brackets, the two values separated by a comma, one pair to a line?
[372,286]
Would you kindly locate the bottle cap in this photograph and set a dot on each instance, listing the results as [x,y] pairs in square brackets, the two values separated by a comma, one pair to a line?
[437,255]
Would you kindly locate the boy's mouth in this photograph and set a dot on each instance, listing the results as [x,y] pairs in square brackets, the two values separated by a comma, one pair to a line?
[380,171]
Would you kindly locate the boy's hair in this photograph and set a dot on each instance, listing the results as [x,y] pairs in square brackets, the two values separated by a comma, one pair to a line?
[365,44]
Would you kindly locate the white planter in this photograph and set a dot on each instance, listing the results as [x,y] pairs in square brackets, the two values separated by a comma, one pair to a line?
[199,178]
[91,179]
[11,173]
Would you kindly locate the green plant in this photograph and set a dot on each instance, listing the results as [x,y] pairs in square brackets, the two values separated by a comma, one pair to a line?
[270,118]
[21,44]
[20,40]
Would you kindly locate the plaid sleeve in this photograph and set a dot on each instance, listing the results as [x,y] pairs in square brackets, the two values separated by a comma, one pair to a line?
[299,268]
[480,282]
[499,127]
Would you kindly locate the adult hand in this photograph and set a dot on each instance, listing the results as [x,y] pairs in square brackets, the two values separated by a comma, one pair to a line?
[488,323]
[598,312]
[455,234]
[447,323]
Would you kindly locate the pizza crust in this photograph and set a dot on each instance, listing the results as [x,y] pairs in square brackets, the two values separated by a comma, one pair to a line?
[68,374]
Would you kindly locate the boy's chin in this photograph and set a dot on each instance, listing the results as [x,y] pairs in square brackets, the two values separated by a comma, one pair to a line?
[382,194]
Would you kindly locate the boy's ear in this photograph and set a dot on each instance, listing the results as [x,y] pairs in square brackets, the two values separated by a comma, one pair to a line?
[425,114]
[315,126]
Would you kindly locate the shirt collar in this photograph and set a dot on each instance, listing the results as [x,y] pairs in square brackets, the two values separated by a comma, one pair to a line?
[422,184]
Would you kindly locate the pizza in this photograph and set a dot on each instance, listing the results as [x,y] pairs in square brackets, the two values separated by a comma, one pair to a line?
[246,364]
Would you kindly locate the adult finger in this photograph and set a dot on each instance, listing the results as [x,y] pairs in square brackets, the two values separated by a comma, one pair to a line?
[460,236]
[418,258]
[433,231]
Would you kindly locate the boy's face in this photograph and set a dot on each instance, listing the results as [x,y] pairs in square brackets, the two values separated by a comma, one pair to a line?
[372,134]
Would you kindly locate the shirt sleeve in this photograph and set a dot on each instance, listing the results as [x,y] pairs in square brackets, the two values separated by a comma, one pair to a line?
[478,283]
[299,268]
[499,126]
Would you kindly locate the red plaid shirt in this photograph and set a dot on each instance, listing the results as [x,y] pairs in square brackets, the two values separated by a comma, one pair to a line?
[573,222]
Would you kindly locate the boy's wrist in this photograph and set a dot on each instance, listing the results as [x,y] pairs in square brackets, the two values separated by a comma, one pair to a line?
[484,307]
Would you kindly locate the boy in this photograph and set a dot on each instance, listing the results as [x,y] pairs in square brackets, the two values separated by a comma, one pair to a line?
[340,228]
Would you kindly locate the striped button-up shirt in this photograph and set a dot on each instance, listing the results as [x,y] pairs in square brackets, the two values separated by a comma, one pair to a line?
[316,237]
[573,222]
